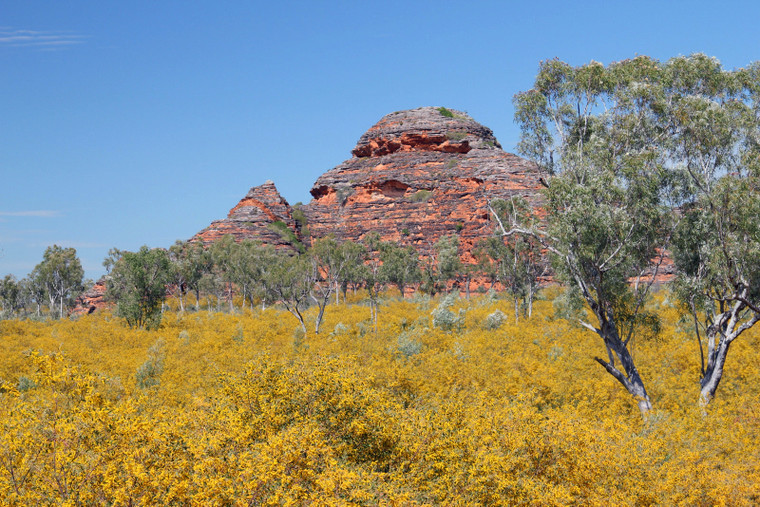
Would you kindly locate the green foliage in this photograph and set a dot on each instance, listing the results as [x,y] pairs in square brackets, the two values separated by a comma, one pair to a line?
[287,234]
[443,317]
[400,265]
[408,345]
[494,320]
[11,296]
[302,222]
[343,193]
[448,264]
[137,284]
[445,112]
[61,276]
[149,373]
[596,132]
[421,195]
[456,135]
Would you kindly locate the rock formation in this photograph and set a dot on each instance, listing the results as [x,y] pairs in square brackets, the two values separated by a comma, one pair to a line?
[92,299]
[414,177]
[262,215]
[419,175]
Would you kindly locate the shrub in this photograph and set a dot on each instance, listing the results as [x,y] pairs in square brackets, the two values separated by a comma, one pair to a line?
[445,112]
[495,320]
[408,346]
[420,196]
[443,317]
[149,373]
[456,135]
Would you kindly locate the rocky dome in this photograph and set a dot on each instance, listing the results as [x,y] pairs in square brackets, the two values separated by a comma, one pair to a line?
[413,177]
[425,129]
[418,175]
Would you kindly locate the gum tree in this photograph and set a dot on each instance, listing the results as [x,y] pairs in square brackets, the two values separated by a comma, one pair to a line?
[517,263]
[137,283]
[61,275]
[594,133]
[713,121]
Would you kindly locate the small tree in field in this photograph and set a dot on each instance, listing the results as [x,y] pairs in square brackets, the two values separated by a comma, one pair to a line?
[137,283]
[517,263]
[399,265]
[61,275]
[289,280]
[190,262]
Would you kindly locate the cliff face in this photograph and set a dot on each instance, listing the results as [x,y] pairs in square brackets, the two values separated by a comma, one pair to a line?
[262,214]
[419,175]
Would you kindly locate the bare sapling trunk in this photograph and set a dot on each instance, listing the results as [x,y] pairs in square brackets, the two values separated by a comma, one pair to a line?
[530,301]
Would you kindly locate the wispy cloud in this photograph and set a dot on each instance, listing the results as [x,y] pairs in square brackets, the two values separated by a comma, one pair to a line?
[10,37]
[43,213]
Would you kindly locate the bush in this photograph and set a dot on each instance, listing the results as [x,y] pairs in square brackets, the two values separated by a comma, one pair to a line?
[149,373]
[494,320]
[443,317]
[445,112]
[408,346]
[420,196]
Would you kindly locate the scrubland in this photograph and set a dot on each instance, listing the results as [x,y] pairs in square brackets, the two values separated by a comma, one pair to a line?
[467,408]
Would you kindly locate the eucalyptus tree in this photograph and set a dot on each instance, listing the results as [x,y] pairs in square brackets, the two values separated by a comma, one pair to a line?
[289,280]
[448,264]
[374,280]
[11,296]
[399,265]
[518,263]
[190,261]
[714,129]
[333,264]
[61,275]
[247,259]
[137,283]
[595,134]
[223,259]
[354,271]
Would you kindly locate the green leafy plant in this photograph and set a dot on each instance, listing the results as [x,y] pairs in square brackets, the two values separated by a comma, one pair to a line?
[445,112]
[420,196]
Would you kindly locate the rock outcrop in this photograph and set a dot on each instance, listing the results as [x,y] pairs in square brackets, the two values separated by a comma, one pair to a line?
[414,177]
[263,215]
[92,299]
[419,175]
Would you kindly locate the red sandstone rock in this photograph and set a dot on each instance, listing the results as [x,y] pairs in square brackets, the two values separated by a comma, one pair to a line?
[419,175]
[259,215]
[92,299]
[415,176]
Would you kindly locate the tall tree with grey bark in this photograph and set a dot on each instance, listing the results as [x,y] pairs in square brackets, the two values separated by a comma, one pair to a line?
[713,126]
[594,133]
[61,275]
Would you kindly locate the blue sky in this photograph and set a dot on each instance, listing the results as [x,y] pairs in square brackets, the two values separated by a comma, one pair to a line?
[140,122]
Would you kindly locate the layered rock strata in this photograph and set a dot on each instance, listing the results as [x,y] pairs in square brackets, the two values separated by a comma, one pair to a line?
[262,215]
[419,175]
